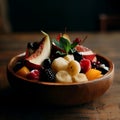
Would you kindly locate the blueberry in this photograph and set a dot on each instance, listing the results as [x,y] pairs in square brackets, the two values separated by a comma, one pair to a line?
[30,45]
[18,65]
[47,63]
[77,56]
[33,45]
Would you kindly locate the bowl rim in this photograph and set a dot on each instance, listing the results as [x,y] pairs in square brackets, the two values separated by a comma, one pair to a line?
[107,75]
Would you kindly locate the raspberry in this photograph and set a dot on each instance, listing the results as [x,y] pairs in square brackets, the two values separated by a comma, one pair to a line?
[49,75]
[77,40]
[85,65]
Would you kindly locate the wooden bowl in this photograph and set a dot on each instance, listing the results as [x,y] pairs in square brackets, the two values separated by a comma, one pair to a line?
[60,93]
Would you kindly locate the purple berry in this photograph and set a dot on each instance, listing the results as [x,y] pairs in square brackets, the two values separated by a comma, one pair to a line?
[49,75]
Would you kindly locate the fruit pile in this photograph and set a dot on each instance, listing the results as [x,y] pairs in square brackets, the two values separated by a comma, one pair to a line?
[60,60]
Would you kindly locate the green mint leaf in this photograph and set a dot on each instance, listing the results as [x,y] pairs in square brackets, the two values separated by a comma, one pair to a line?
[66,44]
[57,43]
[73,45]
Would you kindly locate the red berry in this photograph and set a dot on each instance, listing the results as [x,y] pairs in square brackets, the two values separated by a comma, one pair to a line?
[58,37]
[77,40]
[34,75]
[85,65]
[91,57]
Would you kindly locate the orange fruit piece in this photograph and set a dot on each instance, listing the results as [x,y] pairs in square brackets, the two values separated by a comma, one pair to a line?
[93,74]
[23,71]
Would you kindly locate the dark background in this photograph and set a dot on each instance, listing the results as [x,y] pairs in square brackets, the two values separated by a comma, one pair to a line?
[55,15]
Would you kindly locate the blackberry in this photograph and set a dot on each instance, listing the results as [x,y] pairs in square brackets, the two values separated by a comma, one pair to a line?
[77,56]
[49,75]
[47,63]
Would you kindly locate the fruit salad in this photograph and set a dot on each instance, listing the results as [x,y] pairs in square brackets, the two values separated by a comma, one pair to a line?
[60,60]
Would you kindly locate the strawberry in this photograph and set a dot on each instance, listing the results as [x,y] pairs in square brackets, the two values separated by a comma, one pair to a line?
[85,65]
[91,57]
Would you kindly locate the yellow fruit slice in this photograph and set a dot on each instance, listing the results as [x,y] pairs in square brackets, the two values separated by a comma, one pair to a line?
[80,78]
[66,36]
[59,64]
[63,77]
[69,57]
[73,68]
[93,74]
[23,71]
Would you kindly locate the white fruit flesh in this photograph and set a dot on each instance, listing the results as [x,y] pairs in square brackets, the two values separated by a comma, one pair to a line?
[42,52]
[59,64]
[63,77]
[81,77]
[87,53]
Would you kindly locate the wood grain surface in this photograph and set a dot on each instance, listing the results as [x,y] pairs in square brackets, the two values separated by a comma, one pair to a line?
[107,107]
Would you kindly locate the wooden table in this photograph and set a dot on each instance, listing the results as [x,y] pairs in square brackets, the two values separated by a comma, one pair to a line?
[107,107]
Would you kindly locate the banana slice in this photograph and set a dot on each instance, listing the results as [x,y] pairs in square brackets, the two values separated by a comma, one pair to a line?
[69,57]
[63,77]
[59,64]
[81,77]
[73,68]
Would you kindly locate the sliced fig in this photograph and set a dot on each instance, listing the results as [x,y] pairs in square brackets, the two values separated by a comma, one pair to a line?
[42,52]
